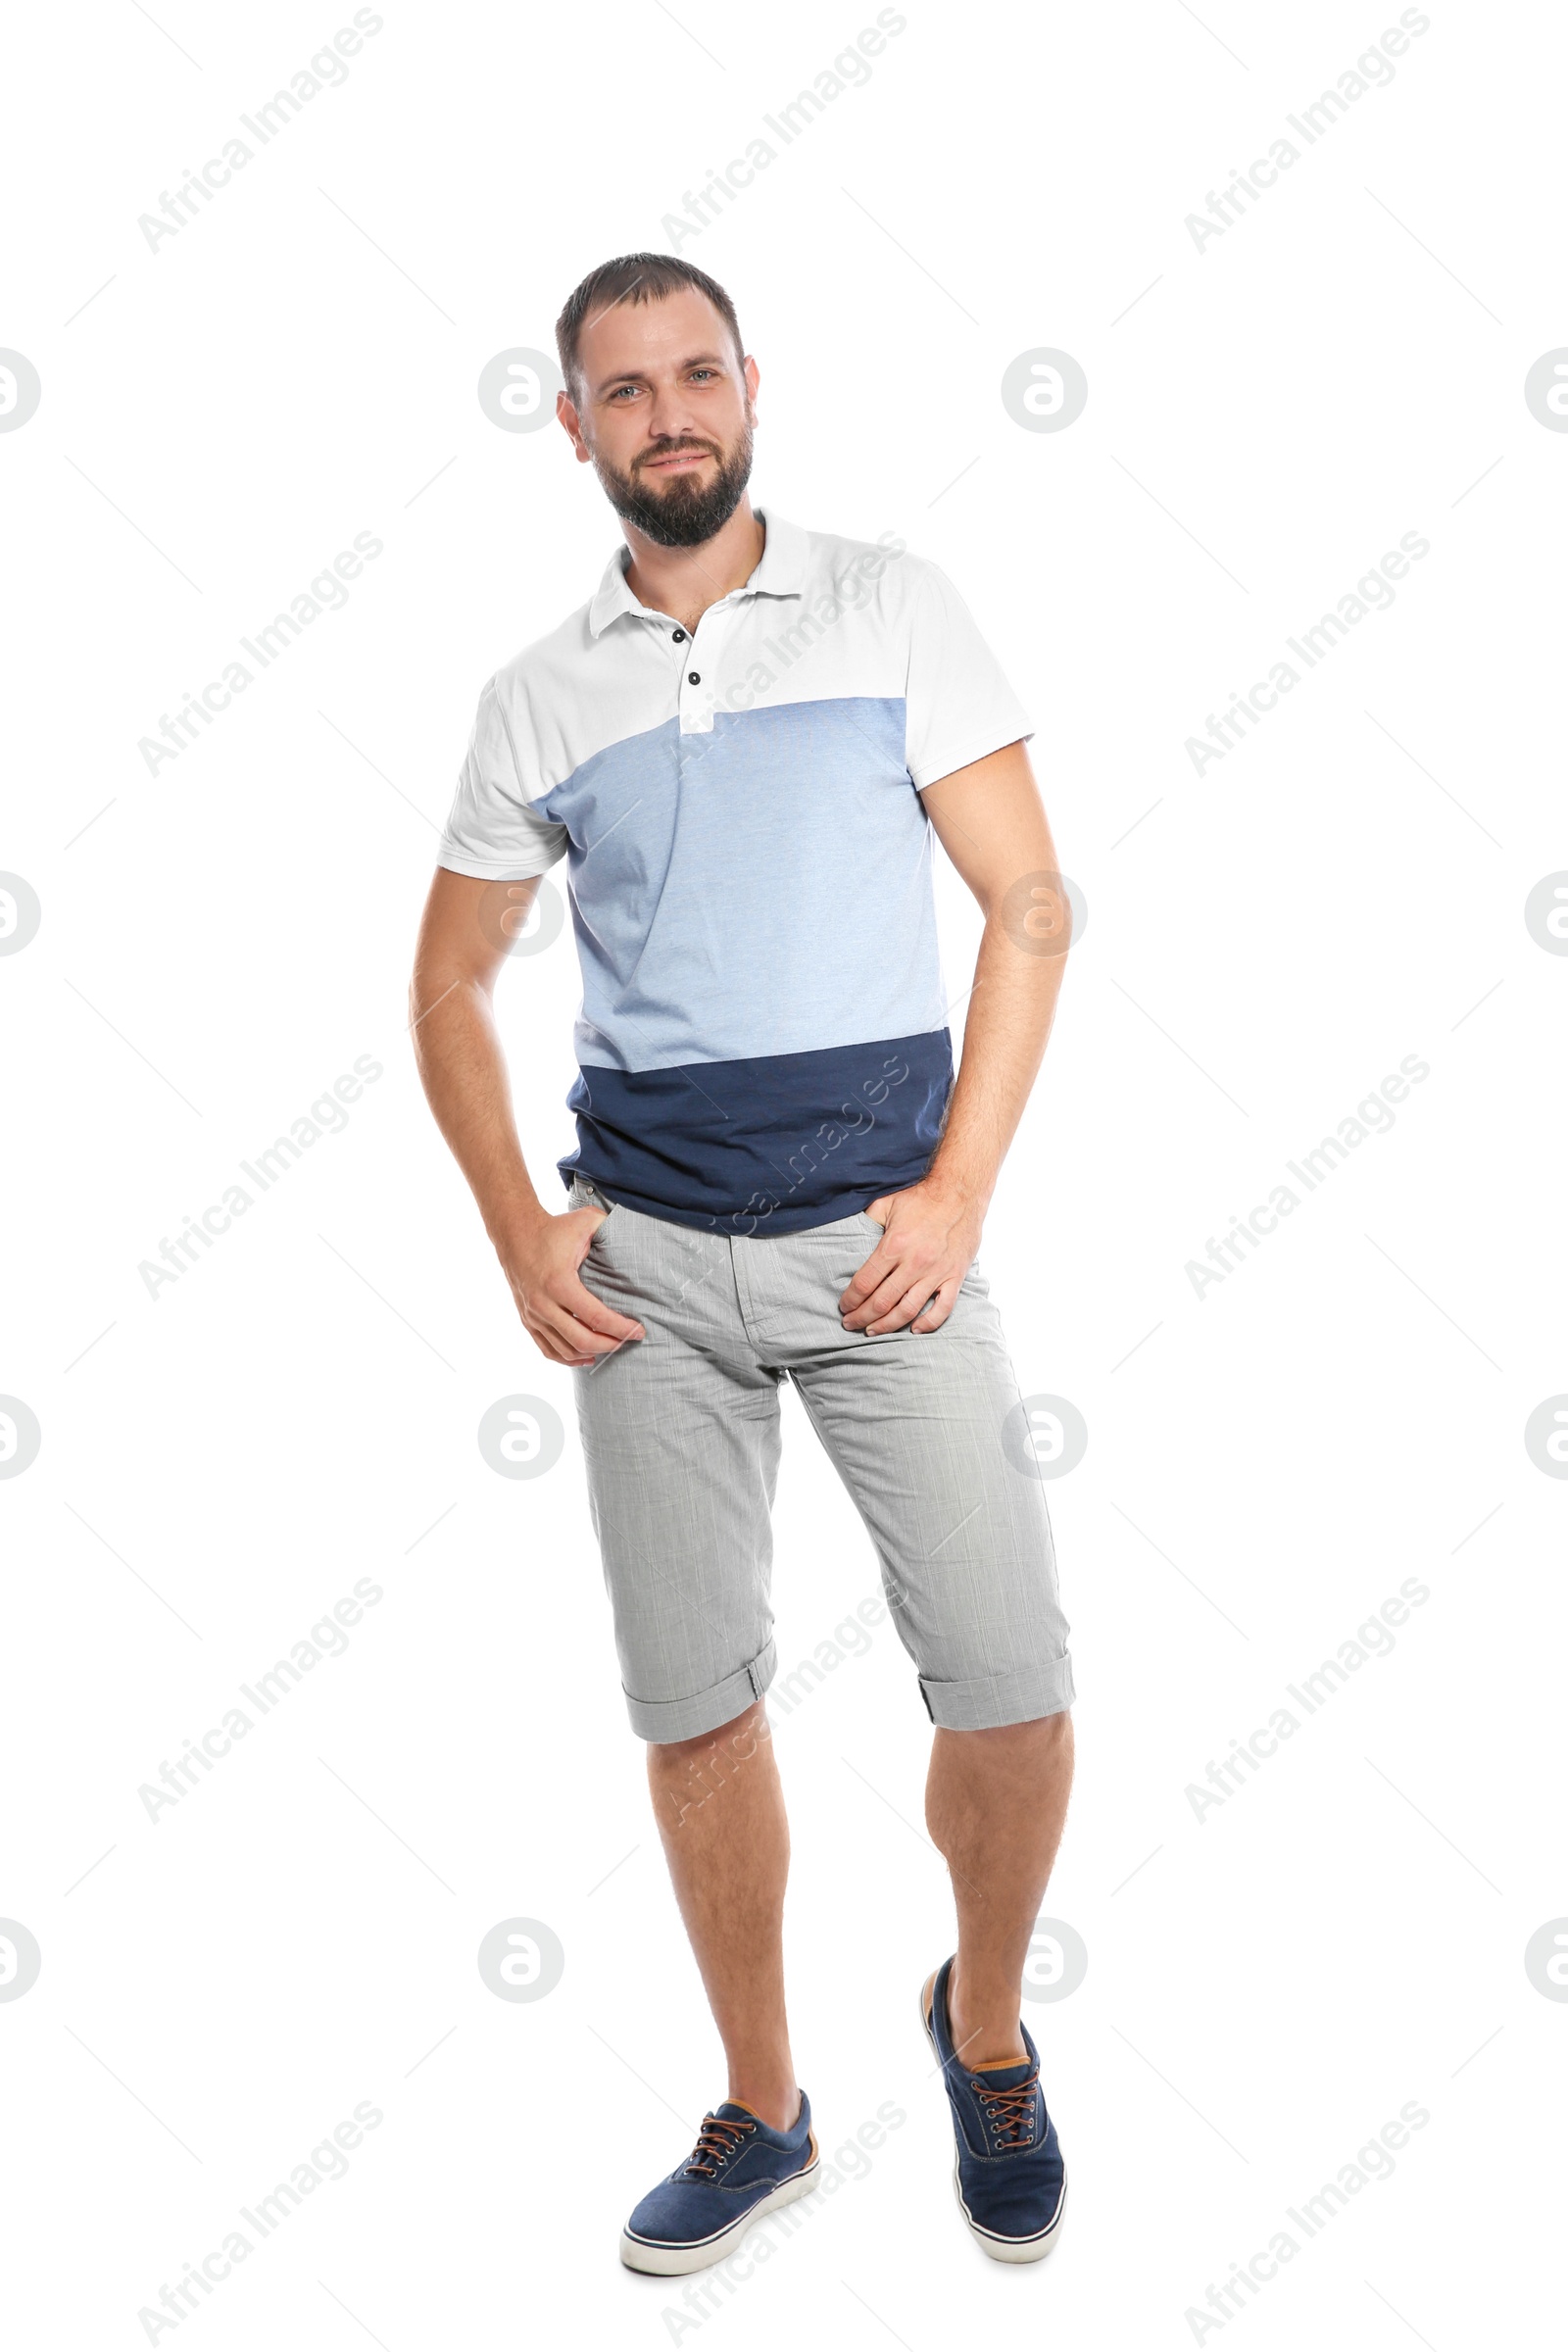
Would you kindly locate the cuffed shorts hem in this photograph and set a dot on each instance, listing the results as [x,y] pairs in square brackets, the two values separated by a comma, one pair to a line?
[998,1699]
[665,1719]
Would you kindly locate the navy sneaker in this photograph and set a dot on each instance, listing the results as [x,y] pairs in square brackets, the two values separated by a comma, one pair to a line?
[740,2169]
[1008,2177]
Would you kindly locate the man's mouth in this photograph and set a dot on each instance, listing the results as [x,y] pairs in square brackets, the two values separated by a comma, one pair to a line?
[680,460]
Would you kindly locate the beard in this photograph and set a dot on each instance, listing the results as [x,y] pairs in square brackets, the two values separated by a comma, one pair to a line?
[684,513]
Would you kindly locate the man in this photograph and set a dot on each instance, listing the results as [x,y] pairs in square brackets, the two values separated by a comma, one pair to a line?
[743,747]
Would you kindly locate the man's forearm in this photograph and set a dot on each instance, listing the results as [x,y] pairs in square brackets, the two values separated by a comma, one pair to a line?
[462,952]
[463,1073]
[1010,1011]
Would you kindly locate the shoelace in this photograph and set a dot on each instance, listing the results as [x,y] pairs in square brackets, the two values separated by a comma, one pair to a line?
[1012,2111]
[717,2144]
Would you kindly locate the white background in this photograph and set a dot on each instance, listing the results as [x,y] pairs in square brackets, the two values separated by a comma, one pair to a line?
[1266,1464]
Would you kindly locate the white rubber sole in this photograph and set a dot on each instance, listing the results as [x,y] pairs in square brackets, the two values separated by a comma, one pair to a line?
[1012,2249]
[999,2249]
[673,2261]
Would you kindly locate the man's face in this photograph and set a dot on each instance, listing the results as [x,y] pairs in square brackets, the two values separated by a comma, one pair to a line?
[665,415]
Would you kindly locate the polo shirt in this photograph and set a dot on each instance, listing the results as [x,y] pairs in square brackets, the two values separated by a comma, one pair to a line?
[763,1044]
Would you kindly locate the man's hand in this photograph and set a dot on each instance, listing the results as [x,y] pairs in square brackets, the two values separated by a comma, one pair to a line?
[913,1276]
[563,1319]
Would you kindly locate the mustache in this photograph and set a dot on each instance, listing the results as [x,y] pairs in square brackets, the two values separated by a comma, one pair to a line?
[679,449]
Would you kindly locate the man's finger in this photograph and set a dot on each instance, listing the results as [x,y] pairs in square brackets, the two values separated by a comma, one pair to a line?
[554,1353]
[873,1290]
[580,1338]
[904,1310]
[863,1281]
[894,1286]
[573,1297]
[941,1306]
[554,1348]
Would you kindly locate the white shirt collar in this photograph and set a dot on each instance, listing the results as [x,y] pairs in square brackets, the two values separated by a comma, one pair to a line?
[780,572]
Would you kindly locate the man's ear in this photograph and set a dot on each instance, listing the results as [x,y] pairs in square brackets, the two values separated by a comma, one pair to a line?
[570,425]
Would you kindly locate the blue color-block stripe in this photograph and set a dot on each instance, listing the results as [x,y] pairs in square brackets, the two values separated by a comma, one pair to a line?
[762,888]
[773,1143]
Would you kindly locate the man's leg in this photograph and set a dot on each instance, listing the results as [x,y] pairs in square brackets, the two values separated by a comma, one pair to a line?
[929,1435]
[995,1802]
[721,1813]
[680,1434]
[921,1430]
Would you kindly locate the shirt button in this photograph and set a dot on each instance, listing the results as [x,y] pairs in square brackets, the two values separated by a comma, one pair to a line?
[680,636]
[692,678]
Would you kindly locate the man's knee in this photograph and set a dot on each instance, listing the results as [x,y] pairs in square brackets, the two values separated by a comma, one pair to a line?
[686,1773]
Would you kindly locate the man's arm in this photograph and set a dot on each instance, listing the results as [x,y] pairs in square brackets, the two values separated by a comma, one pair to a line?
[989,818]
[452,1018]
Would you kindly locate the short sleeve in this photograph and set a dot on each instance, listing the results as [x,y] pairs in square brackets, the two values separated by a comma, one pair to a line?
[492,833]
[957,703]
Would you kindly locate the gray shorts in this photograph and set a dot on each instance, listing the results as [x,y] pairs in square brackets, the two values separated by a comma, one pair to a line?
[680,1432]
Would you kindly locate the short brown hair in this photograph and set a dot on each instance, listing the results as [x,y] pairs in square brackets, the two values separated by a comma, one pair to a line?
[635,278]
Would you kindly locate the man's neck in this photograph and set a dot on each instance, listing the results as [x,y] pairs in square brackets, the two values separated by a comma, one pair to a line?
[683,582]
